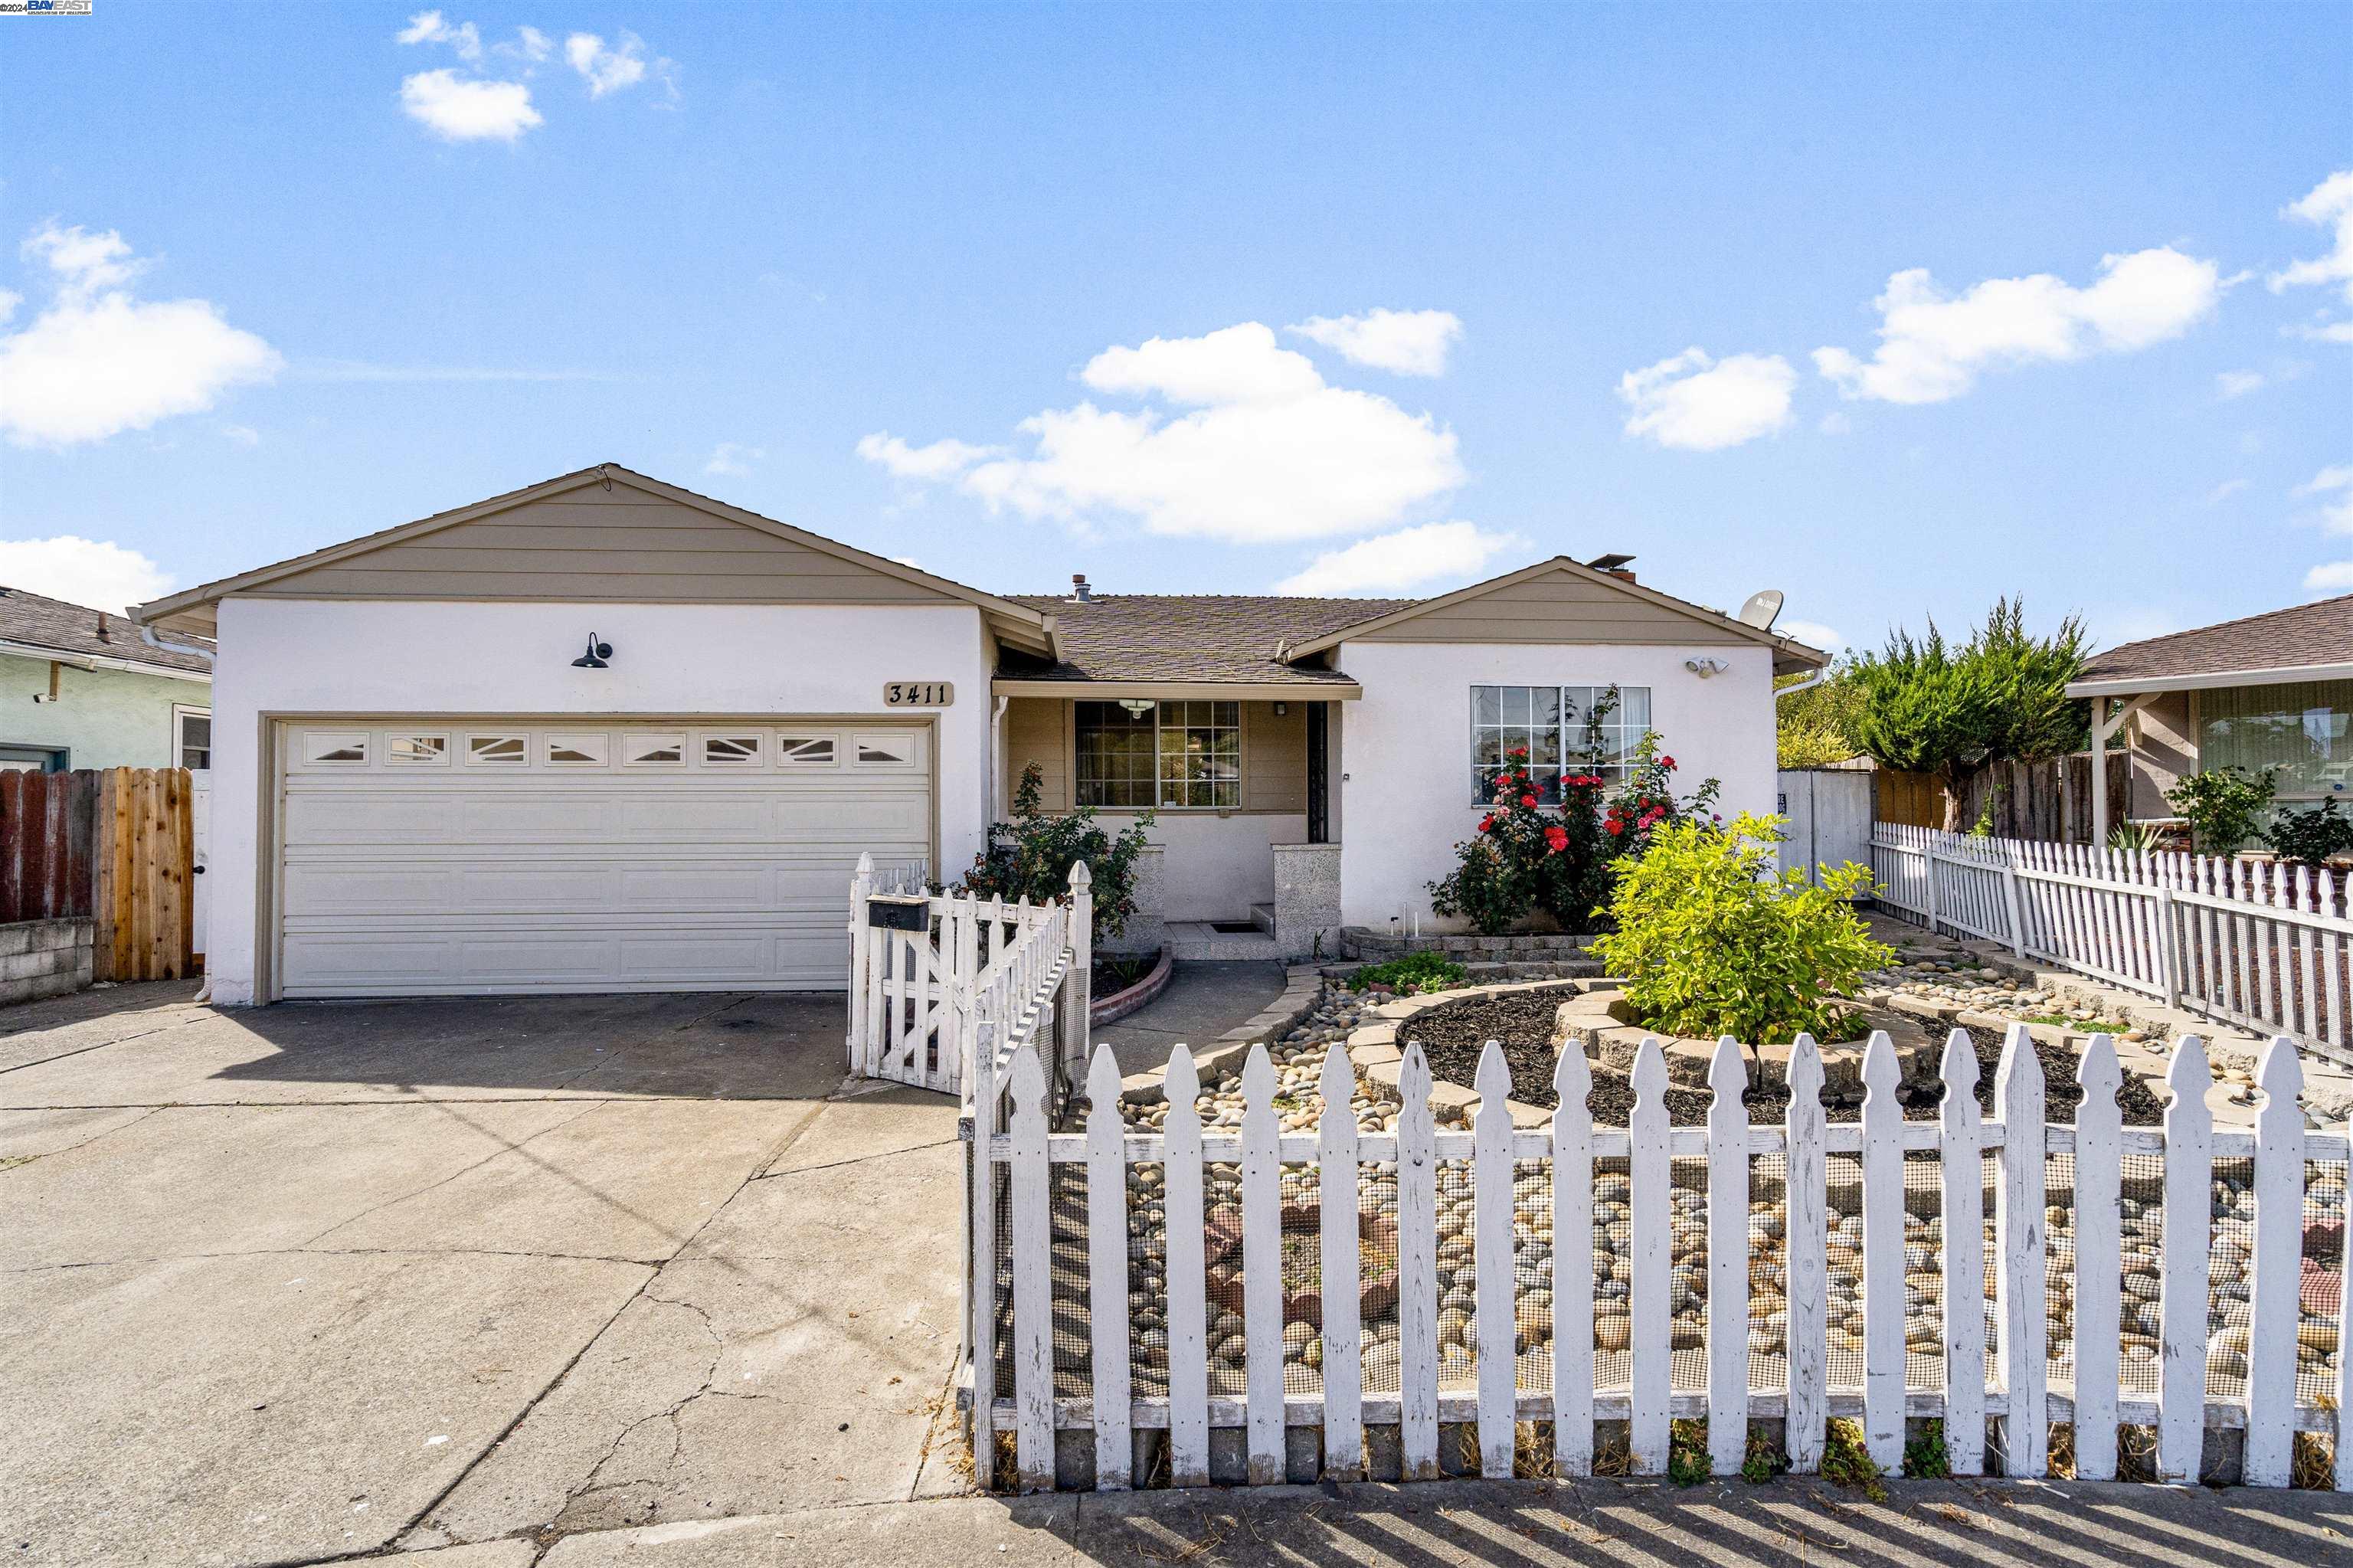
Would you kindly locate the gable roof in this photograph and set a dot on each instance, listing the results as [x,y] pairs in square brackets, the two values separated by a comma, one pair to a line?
[1189,640]
[333,571]
[38,626]
[2303,642]
[1789,654]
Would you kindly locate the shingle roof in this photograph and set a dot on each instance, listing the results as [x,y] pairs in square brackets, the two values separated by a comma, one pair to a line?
[1206,638]
[74,628]
[2319,633]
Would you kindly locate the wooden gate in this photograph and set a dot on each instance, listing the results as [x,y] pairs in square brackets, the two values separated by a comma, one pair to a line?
[116,845]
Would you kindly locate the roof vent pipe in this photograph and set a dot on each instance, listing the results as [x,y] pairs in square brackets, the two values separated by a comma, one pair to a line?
[1080,592]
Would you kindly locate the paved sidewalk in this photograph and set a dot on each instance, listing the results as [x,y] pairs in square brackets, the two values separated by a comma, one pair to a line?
[1792,1523]
[1205,999]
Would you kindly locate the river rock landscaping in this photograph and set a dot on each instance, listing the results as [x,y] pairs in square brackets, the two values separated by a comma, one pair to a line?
[1299,1058]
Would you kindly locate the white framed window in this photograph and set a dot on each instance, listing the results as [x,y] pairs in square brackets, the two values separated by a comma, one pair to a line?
[498,750]
[805,751]
[1561,730]
[417,750]
[192,737]
[730,751]
[2304,728]
[332,748]
[653,751]
[579,751]
[1173,754]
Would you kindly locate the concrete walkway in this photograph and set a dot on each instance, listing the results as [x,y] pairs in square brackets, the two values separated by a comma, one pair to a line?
[1205,999]
[306,1282]
[1531,1524]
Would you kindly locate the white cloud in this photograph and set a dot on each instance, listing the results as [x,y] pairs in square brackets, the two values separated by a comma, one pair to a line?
[2328,332]
[1410,343]
[1813,634]
[613,70]
[427,27]
[941,460]
[97,573]
[1268,451]
[729,458]
[2336,515]
[1932,345]
[1703,405]
[2335,577]
[98,361]
[2224,491]
[1408,558]
[456,109]
[1836,423]
[2238,382]
[2328,205]
[530,44]
[243,435]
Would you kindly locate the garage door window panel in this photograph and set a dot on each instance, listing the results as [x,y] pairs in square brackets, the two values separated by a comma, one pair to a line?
[579,751]
[654,751]
[417,750]
[730,751]
[498,750]
[805,751]
[333,748]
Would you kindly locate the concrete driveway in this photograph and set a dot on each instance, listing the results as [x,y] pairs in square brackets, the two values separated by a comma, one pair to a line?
[303,1282]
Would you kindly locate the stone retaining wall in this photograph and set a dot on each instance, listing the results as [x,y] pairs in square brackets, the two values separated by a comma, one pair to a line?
[46,958]
[1373,946]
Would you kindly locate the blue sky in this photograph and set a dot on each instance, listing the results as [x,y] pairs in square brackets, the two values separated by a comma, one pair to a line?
[896,274]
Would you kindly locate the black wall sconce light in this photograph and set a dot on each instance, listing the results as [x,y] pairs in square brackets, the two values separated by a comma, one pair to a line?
[594,658]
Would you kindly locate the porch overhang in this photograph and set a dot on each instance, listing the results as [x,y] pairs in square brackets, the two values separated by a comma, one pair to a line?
[2213,680]
[1178,691]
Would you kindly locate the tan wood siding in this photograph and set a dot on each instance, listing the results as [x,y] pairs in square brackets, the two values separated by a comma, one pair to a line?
[589,544]
[1274,753]
[1274,758]
[1556,608]
[1036,729]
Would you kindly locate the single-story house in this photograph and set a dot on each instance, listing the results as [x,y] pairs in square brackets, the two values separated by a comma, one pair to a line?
[604,733]
[2273,690]
[80,688]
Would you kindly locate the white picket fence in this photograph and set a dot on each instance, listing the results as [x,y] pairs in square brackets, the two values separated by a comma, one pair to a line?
[1065,1331]
[2259,944]
[921,1001]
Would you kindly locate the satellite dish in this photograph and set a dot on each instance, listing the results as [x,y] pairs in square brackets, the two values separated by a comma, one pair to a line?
[1764,608]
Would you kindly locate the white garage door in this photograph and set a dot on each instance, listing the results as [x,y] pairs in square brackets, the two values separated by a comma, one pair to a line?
[429,857]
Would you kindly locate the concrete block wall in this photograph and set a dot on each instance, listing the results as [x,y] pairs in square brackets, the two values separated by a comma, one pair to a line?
[46,958]
[1373,946]
[1307,900]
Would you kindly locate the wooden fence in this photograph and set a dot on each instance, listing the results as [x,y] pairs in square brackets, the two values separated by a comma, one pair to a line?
[2259,944]
[2023,1231]
[116,845]
[2049,800]
[922,1000]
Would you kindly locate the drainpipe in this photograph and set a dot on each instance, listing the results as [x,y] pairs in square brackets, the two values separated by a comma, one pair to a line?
[1816,679]
[995,758]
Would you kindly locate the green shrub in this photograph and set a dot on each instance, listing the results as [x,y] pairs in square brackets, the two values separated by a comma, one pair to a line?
[1713,938]
[2309,838]
[1031,857]
[1411,975]
[2224,805]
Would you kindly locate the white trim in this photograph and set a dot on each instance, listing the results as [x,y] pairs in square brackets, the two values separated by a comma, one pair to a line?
[181,713]
[98,661]
[2276,675]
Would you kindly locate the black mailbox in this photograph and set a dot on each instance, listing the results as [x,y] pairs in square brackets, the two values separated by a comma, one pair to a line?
[899,912]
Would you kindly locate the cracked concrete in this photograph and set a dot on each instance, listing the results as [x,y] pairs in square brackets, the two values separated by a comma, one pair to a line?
[451,1277]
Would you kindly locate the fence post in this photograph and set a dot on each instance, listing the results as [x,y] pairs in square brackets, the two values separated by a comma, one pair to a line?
[1928,876]
[2274,1267]
[980,1294]
[2009,898]
[2022,1286]
[860,954]
[1081,986]
[2169,944]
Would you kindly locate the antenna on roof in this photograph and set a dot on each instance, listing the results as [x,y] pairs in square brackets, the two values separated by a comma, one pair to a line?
[1763,608]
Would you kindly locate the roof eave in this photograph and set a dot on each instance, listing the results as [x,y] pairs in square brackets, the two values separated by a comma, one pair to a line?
[2209,680]
[1179,689]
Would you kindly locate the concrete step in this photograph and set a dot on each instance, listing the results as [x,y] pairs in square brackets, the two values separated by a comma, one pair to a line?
[1190,939]
[1262,916]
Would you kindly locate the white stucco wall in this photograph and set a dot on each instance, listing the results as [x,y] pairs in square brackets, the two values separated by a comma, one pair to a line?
[104,718]
[1216,867]
[1406,783]
[291,657]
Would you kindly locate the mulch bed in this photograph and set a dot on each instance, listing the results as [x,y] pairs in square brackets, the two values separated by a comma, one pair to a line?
[1454,1036]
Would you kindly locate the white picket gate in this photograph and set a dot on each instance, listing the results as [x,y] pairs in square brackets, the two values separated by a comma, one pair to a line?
[1091,1305]
[921,1001]
[2259,944]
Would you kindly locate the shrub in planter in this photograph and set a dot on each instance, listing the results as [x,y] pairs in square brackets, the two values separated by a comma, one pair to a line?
[1714,938]
[1412,975]
[1031,856]
[2224,805]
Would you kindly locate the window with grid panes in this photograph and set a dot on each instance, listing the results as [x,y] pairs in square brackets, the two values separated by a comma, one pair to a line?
[1563,729]
[1173,756]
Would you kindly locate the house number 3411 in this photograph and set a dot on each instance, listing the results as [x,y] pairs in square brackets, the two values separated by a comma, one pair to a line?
[918,694]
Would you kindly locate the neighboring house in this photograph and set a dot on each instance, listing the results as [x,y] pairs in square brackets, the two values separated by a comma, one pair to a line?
[434,776]
[79,689]
[2273,690]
